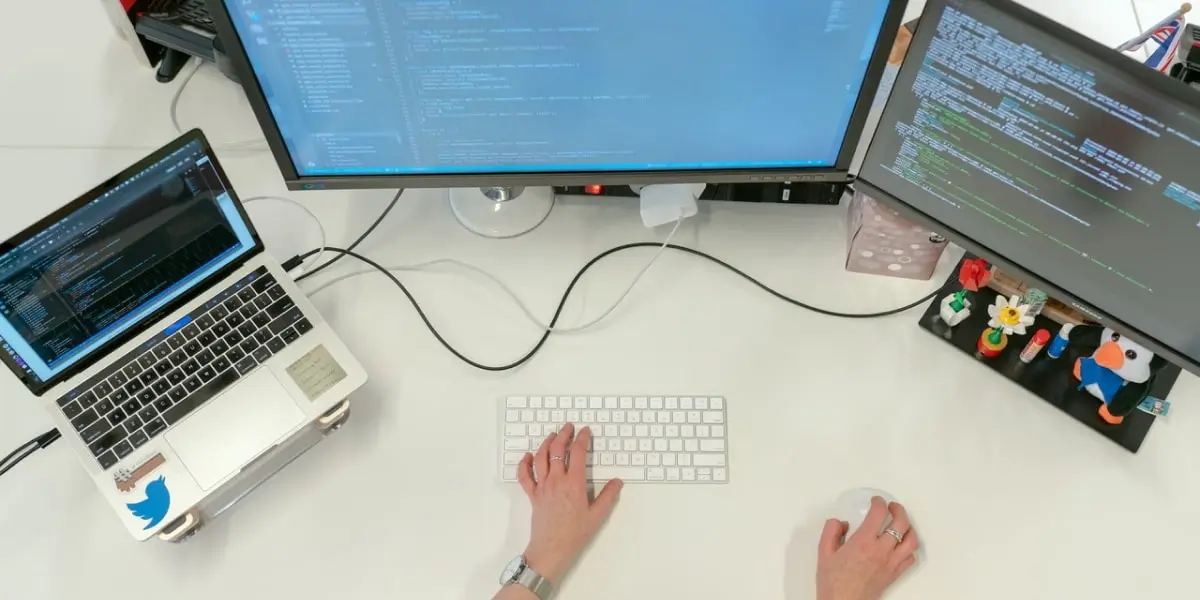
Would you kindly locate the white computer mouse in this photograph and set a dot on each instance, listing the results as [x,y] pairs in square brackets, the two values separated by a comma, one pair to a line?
[853,506]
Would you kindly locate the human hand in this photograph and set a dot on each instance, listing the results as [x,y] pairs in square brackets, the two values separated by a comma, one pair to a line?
[564,520]
[868,563]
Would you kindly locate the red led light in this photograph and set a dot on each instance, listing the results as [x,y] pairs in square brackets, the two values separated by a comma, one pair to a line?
[594,190]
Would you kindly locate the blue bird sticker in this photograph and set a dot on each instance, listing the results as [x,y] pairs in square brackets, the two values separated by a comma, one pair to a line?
[154,508]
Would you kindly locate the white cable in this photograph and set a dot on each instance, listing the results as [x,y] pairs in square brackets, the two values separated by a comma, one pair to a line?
[507,290]
[320,227]
[174,114]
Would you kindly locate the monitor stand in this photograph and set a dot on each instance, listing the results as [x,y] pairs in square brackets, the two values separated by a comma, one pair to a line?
[501,212]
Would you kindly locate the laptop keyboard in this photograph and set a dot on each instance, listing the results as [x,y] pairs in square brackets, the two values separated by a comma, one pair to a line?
[152,388]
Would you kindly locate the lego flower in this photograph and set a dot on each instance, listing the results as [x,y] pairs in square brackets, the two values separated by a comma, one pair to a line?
[974,274]
[1009,315]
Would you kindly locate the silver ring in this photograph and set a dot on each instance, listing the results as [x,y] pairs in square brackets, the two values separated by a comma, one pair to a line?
[554,458]
[895,534]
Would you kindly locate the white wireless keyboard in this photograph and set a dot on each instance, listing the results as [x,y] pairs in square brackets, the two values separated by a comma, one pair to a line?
[654,439]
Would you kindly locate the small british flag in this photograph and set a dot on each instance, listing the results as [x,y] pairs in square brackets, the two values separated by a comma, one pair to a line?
[1167,37]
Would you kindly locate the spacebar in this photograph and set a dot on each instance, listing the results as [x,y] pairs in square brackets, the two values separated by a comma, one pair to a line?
[599,473]
[202,394]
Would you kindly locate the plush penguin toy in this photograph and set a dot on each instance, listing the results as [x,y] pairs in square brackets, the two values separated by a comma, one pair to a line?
[1119,371]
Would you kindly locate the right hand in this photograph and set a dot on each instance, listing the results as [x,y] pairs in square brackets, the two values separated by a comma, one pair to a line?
[868,563]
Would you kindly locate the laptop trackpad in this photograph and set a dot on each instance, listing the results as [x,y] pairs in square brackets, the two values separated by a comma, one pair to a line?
[227,433]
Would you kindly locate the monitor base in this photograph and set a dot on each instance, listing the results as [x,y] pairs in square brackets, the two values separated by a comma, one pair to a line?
[503,212]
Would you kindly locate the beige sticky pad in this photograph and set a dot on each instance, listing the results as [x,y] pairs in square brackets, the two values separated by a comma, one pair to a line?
[316,372]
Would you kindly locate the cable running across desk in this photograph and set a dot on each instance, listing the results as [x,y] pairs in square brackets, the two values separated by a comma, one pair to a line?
[578,276]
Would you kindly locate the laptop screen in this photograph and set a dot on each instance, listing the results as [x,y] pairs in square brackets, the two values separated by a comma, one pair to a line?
[77,283]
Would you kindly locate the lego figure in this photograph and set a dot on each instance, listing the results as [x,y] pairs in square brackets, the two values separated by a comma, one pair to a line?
[1116,370]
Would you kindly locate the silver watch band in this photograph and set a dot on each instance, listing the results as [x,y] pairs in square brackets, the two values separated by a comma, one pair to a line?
[534,582]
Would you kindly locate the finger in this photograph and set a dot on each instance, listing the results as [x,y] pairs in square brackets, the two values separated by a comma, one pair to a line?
[578,458]
[541,460]
[831,537]
[899,524]
[606,500]
[558,449]
[872,524]
[905,565]
[908,548]
[525,475]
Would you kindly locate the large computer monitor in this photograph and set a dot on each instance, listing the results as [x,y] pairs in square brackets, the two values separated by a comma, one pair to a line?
[465,93]
[1056,157]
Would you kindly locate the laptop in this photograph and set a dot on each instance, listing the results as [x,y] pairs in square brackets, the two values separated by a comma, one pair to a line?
[169,348]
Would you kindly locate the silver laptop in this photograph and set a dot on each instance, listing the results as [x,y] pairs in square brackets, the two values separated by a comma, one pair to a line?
[171,350]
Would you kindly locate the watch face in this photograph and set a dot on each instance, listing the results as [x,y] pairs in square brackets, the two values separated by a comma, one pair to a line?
[513,569]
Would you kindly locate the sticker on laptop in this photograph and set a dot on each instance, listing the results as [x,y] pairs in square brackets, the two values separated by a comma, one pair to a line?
[128,479]
[156,505]
[316,372]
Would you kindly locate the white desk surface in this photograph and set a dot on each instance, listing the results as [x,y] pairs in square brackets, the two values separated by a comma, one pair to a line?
[1013,498]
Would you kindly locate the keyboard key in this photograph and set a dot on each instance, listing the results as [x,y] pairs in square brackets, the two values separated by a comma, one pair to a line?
[276,293]
[146,397]
[604,473]
[122,449]
[219,347]
[262,301]
[176,376]
[220,329]
[102,390]
[205,322]
[221,364]
[714,416]
[246,294]
[263,283]
[147,360]
[234,320]
[148,414]
[276,344]
[708,460]
[206,338]
[132,370]
[118,379]
[72,410]
[262,336]
[162,351]
[176,341]
[133,423]
[137,439]
[105,441]
[249,345]
[206,374]
[84,419]
[279,307]
[247,329]
[701,403]
[232,304]
[162,404]
[177,393]
[289,335]
[134,386]
[162,368]
[104,407]
[200,396]
[191,367]
[218,313]
[233,339]
[249,310]
[235,355]
[191,384]
[261,354]
[191,331]
[155,427]
[717,403]
[179,358]
[192,348]
[107,460]
[712,445]
[86,401]
[246,365]
[131,407]
[148,376]
[205,357]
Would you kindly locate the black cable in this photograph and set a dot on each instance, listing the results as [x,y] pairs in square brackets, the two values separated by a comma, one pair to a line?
[355,243]
[28,448]
[563,302]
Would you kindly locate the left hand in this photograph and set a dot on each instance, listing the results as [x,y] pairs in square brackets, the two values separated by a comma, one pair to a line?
[564,520]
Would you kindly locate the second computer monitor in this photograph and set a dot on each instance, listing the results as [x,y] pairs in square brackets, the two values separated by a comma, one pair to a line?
[1057,157]
[456,93]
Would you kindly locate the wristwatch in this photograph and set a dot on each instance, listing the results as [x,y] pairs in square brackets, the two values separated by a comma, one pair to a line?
[519,573]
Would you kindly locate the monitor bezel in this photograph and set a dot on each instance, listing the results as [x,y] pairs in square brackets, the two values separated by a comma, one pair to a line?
[39,387]
[1154,81]
[838,173]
